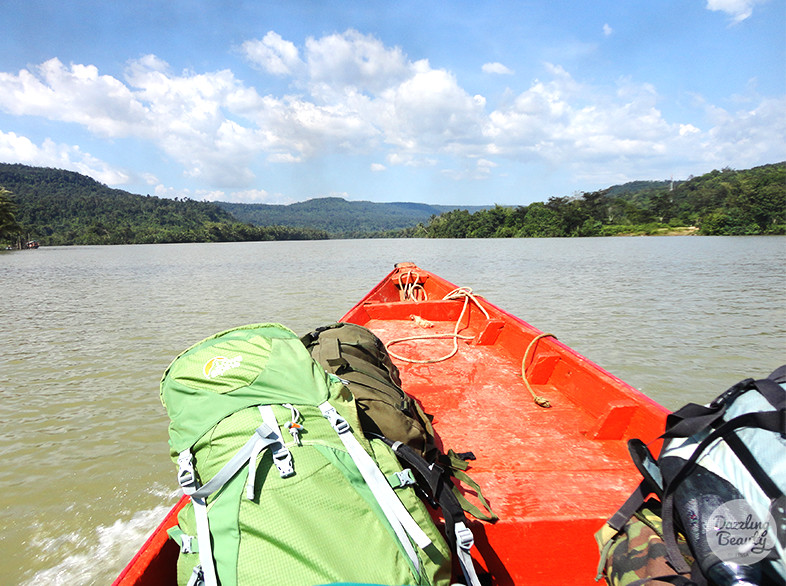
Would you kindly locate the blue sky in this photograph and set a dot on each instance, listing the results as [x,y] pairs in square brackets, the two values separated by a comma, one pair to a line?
[440,102]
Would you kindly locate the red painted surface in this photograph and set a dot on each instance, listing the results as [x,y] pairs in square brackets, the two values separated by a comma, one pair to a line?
[155,564]
[552,475]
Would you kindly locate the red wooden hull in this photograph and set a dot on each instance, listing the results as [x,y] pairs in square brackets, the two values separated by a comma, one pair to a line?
[553,475]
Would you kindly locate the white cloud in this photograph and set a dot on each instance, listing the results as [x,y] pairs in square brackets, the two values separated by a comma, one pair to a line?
[747,137]
[239,196]
[352,60]
[739,10]
[687,129]
[497,68]
[101,103]
[607,30]
[20,149]
[245,196]
[273,54]
[355,95]
[584,128]
[471,170]
[283,158]
[431,112]
[486,164]
[409,160]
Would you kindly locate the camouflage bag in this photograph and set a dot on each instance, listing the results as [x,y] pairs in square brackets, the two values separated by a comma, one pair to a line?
[636,555]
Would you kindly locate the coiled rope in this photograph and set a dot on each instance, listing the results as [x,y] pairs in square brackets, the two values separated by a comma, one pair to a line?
[414,291]
[411,289]
[459,293]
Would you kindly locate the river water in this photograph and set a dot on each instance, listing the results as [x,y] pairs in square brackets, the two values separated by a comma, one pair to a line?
[88,331]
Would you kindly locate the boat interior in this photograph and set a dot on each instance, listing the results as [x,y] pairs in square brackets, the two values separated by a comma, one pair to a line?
[550,446]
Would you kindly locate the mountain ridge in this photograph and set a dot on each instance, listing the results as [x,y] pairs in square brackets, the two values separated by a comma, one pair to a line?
[59,207]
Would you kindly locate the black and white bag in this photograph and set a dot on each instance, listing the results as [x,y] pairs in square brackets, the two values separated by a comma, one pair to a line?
[721,477]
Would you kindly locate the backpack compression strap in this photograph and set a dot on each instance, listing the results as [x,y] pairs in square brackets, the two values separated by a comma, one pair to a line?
[395,512]
[440,489]
[247,455]
[690,420]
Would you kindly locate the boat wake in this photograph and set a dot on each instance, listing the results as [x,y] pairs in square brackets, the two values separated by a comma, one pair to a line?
[99,558]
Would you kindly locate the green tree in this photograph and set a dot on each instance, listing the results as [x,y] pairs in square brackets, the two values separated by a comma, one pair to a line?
[9,227]
[570,212]
[453,224]
[489,223]
[541,222]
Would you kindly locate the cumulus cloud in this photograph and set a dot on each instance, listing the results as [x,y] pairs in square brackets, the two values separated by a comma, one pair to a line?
[607,30]
[273,54]
[20,149]
[738,10]
[353,61]
[101,103]
[576,126]
[497,68]
[352,94]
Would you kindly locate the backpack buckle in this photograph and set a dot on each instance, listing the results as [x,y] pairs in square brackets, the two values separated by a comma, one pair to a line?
[339,423]
[282,458]
[403,478]
[464,538]
[187,544]
[186,476]
[197,577]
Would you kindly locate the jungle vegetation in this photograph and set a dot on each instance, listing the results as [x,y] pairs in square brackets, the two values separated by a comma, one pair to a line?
[723,202]
[339,217]
[59,207]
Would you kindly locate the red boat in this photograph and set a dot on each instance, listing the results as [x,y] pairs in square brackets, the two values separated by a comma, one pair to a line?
[547,426]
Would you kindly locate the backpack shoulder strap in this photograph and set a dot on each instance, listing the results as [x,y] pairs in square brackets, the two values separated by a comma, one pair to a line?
[438,488]
[397,515]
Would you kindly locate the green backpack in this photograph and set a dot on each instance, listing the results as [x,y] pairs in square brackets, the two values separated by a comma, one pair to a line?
[284,488]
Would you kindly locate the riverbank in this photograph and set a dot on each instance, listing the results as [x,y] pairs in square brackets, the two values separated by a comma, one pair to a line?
[660,231]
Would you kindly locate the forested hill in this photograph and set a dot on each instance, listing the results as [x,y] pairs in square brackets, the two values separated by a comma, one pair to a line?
[726,202]
[339,216]
[59,207]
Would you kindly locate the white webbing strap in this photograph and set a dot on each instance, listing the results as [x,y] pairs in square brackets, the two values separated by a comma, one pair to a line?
[262,438]
[464,542]
[282,458]
[395,512]
[252,469]
[203,539]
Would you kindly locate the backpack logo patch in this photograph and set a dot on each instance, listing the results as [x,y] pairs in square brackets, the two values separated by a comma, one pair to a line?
[220,365]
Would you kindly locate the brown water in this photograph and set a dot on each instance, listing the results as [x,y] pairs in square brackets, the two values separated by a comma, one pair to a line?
[88,331]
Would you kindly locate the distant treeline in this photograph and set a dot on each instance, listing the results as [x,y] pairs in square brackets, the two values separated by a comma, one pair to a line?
[59,207]
[339,217]
[723,202]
